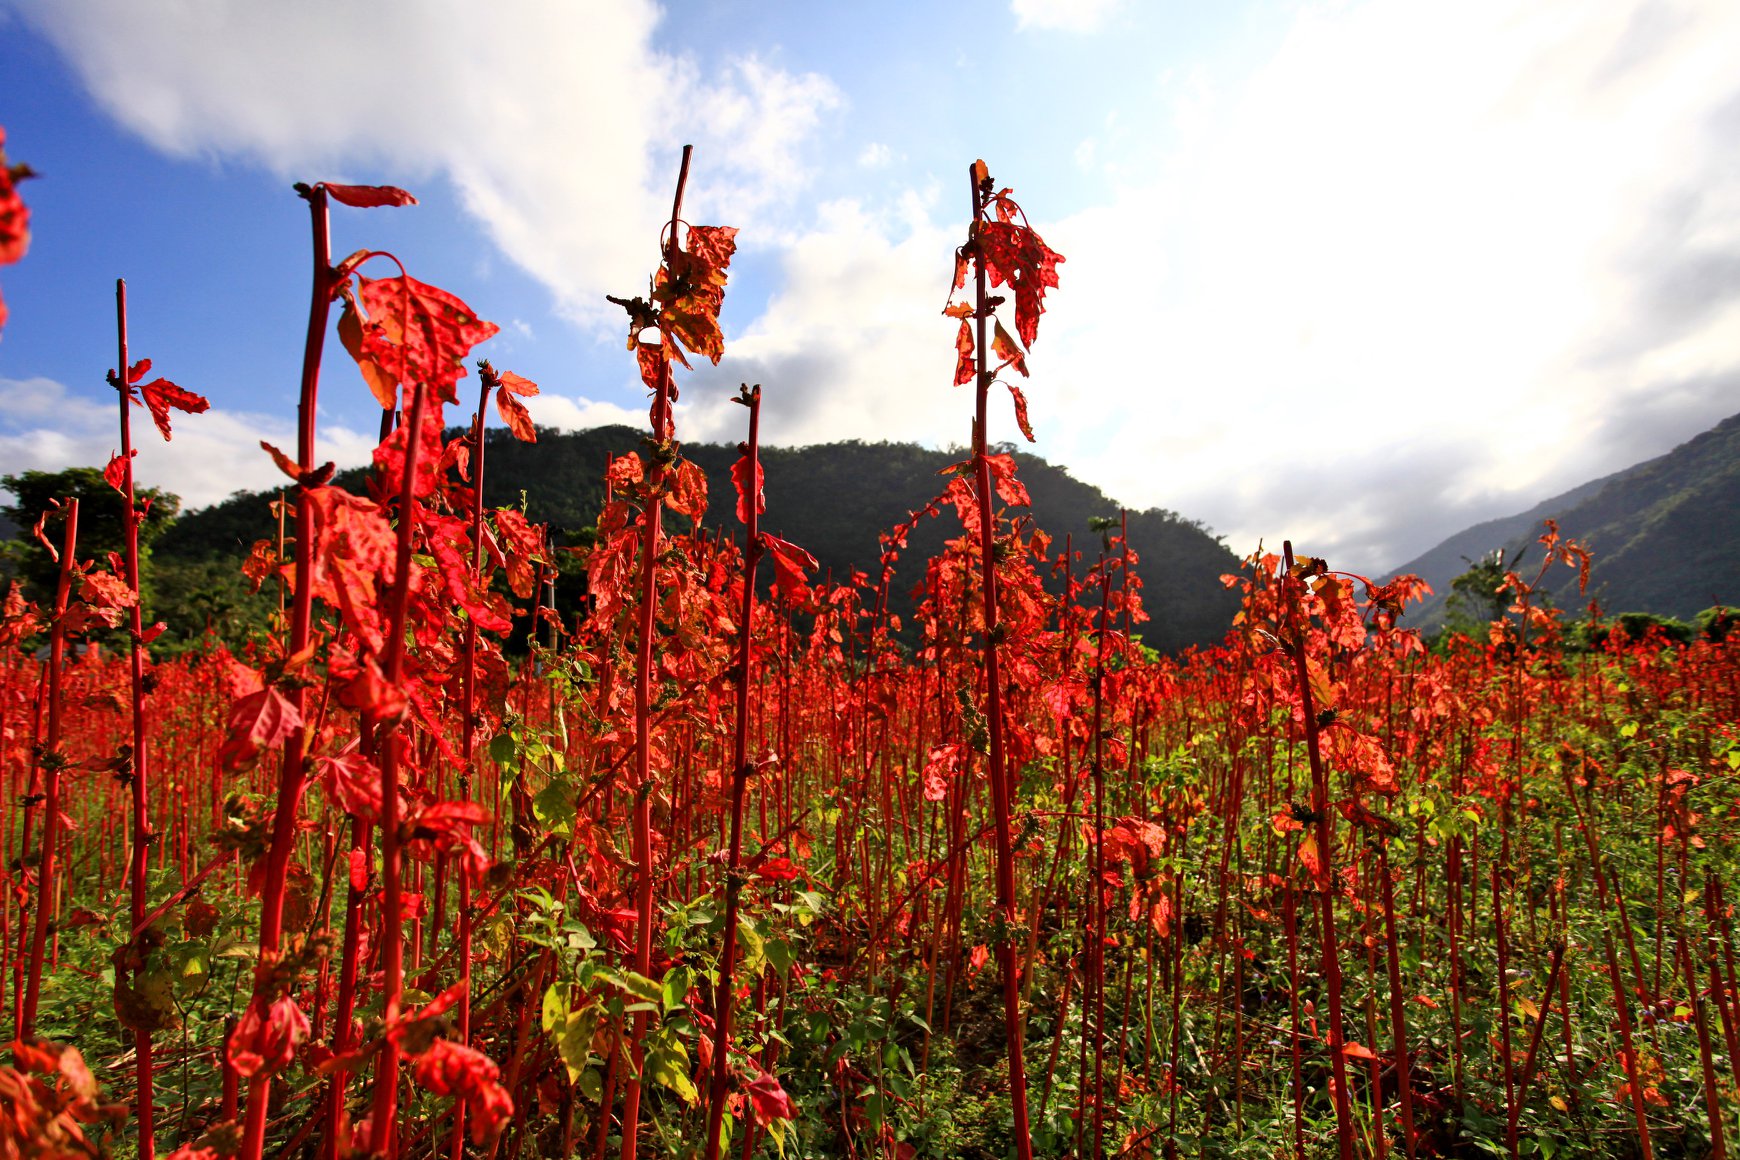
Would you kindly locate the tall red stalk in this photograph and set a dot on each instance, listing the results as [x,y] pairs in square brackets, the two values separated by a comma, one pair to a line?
[740,770]
[643,677]
[292,775]
[142,835]
[1325,876]
[383,1139]
[51,762]
[1000,789]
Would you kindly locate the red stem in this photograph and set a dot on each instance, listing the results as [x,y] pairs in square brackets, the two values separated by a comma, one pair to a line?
[292,775]
[50,763]
[1000,804]
[733,883]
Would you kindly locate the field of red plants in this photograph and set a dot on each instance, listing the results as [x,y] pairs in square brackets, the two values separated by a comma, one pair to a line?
[730,860]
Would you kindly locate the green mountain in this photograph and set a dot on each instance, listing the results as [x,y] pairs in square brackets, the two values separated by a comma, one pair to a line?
[833,499]
[1665,535]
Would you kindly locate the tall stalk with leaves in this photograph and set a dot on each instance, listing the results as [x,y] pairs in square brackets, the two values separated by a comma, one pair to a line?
[681,311]
[1001,250]
[160,395]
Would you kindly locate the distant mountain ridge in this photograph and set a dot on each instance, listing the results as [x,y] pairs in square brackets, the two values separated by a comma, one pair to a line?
[1665,535]
[833,499]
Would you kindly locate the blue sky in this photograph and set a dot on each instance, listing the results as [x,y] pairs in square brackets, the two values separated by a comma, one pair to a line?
[1354,273]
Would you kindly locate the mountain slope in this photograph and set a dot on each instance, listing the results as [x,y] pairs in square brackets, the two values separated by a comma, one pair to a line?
[833,499]
[1665,535]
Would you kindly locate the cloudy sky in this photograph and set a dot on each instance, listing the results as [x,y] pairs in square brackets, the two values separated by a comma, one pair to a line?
[1358,274]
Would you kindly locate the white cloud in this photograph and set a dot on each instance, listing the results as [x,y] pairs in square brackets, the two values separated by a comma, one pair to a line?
[1382,292]
[1067,15]
[579,413]
[45,427]
[557,119]
[1424,266]
[875,156]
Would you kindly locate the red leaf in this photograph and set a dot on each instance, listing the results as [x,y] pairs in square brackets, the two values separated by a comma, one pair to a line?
[417,333]
[650,357]
[372,695]
[943,763]
[14,215]
[965,368]
[359,869]
[1358,1051]
[514,414]
[1019,258]
[523,542]
[1007,349]
[768,1101]
[790,562]
[517,384]
[284,462]
[690,289]
[258,722]
[1021,410]
[624,471]
[138,370]
[354,783]
[161,395]
[777,870]
[266,1037]
[740,477]
[368,196]
[115,474]
[688,490]
[381,385]
[452,1069]
[152,633]
[390,456]
[1009,489]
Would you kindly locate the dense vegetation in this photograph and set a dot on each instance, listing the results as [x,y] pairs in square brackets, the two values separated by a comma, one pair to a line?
[698,866]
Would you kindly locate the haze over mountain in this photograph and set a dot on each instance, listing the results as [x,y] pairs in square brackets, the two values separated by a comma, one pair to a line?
[1665,535]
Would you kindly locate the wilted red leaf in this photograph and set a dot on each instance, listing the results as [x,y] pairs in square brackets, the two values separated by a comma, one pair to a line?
[452,1069]
[417,333]
[965,368]
[1006,349]
[1016,256]
[266,1036]
[368,196]
[690,288]
[745,489]
[790,562]
[115,474]
[514,414]
[1021,411]
[161,395]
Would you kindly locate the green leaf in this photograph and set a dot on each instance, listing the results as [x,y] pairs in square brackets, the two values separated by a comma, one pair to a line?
[555,1006]
[780,954]
[753,946]
[675,991]
[634,984]
[554,808]
[502,749]
[591,1085]
[667,1064]
[574,1042]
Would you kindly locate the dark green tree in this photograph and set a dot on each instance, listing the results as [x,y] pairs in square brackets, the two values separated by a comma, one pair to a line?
[1475,600]
[101,527]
